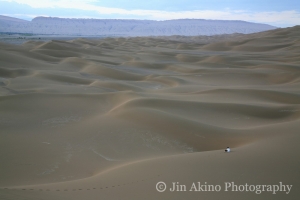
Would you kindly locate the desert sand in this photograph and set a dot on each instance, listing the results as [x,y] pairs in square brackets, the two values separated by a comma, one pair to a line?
[110,118]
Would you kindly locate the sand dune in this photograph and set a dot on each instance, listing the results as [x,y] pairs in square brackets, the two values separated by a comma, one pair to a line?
[108,119]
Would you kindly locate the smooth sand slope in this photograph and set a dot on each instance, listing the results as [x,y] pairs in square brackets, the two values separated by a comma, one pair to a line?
[108,119]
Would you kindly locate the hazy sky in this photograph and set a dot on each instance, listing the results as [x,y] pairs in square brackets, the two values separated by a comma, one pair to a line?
[280,13]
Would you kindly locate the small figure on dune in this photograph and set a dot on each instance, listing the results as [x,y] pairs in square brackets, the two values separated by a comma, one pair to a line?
[227,150]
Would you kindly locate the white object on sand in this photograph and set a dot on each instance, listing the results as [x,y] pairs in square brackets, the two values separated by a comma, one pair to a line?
[227,150]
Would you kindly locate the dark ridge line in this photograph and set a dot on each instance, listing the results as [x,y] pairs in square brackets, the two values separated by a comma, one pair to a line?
[69,190]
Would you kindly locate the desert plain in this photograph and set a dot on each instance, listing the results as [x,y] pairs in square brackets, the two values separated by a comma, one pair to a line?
[91,119]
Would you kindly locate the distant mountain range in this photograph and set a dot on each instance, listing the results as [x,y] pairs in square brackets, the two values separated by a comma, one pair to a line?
[124,27]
